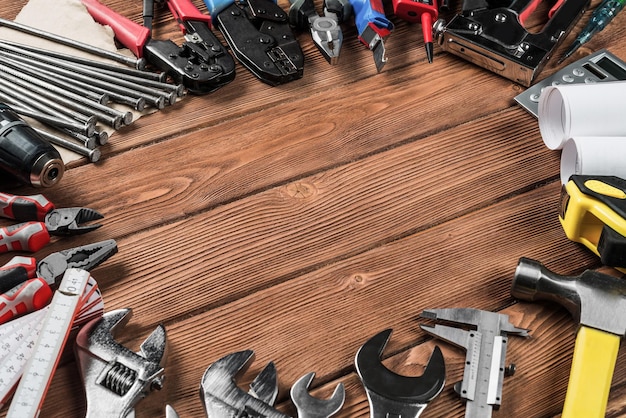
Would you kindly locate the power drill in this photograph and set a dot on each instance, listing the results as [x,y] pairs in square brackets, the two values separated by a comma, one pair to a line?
[24,154]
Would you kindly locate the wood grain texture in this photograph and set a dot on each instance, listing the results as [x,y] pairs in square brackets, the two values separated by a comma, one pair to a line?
[300,220]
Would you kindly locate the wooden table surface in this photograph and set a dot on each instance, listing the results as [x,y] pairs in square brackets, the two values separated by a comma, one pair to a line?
[300,220]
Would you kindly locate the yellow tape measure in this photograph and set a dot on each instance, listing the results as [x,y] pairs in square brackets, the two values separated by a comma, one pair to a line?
[593,213]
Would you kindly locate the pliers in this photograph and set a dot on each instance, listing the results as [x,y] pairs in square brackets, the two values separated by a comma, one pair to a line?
[325,30]
[27,285]
[44,221]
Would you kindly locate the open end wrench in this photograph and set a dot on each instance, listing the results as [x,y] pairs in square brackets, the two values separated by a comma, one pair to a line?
[390,394]
[311,407]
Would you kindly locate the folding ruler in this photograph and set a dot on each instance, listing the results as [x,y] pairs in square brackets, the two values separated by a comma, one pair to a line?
[33,344]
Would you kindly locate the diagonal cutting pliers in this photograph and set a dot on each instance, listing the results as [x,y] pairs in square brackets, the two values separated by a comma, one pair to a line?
[43,221]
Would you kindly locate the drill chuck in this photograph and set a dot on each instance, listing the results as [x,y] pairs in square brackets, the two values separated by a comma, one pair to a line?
[25,154]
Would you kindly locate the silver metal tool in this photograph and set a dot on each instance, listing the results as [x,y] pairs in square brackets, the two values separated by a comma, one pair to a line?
[311,407]
[598,67]
[116,378]
[224,399]
[486,351]
[390,394]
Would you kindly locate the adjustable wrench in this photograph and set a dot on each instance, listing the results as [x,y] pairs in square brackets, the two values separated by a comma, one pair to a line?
[116,378]
[224,399]
[393,395]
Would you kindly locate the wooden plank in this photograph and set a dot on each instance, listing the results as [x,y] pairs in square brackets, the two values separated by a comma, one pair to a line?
[275,234]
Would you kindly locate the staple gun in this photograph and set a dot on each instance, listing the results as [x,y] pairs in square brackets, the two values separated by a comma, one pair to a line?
[493,36]
[593,213]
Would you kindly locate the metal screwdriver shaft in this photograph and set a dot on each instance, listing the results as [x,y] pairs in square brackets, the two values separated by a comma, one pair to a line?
[602,16]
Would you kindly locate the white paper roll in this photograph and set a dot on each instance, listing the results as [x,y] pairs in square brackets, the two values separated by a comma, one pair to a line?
[581,110]
[603,156]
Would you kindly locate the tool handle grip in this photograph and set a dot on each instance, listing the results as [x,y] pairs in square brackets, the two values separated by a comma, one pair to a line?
[299,13]
[28,297]
[132,35]
[590,378]
[371,13]
[27,236]
[184,10]
[24,208]
[18,270]
[215,7]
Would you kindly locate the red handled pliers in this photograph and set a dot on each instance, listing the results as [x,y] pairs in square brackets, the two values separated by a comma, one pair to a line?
[43,220]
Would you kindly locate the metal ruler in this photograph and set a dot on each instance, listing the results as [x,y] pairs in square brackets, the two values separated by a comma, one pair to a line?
[55,329]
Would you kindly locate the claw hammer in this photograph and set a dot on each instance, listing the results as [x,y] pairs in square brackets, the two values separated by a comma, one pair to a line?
[598,302]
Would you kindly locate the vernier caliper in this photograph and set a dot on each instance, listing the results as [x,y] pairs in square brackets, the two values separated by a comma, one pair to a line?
[486,351]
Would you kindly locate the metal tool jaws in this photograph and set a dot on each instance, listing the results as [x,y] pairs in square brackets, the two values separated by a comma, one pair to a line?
[475,317]
[485,346]
[224,399]
[116,378]
[311,407]
[69,221]
[85,257]
[391,394]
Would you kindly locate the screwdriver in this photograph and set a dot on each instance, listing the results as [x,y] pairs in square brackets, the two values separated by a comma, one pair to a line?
[602,16]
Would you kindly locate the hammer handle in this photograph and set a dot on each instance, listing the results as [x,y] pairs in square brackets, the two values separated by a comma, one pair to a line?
[590,378]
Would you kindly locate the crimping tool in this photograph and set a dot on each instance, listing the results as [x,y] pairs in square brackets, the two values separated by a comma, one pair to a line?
[260,37]
[593,213]
[493,36]
[201,64]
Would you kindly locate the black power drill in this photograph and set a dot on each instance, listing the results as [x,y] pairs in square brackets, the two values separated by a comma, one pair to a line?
[24,154]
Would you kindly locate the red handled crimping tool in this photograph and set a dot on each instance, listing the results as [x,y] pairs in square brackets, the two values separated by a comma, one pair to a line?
[493,35]
[260,37]
[43,220]
[201,64]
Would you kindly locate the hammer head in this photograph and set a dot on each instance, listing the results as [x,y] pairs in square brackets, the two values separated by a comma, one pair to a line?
[594,299]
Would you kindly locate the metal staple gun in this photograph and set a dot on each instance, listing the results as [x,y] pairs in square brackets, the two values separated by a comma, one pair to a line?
[493,36]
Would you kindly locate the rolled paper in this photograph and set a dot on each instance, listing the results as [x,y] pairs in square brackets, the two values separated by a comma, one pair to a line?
[602,156]
[581,110]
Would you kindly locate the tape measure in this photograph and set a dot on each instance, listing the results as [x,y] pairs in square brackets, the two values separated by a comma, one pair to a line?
[593,213]
[41,339]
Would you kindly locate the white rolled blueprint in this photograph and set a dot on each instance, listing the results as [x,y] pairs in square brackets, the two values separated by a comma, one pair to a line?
[581,110]
[603,156]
